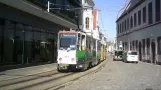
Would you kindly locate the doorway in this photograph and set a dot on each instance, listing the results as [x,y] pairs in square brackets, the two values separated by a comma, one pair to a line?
[153,51]
[140,55]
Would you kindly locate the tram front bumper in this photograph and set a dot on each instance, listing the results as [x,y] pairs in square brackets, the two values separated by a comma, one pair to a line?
[63,66]
[80,65]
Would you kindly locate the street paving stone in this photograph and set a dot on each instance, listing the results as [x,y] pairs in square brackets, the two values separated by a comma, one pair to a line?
[117,75]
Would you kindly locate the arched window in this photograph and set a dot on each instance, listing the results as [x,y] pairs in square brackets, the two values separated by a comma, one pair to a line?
[87,22]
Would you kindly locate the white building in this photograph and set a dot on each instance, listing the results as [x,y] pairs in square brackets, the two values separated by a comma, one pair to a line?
[90,19]
[87,22]
[139,28]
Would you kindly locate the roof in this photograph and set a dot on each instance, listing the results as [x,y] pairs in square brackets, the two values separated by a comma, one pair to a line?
[130,6]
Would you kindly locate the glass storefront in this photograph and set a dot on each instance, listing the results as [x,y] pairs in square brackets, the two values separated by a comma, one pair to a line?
[8,42]
[1,31]
[21,44]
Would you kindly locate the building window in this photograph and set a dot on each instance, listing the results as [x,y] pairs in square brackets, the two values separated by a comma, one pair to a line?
[127,23]
[125,26]
[120,28]
[130,46]
[159,45]
[144,15]
[131,22]
[157,10]
[148,46]
[87,22]
[85,1]
[136,44]
[143,46]
[150,13]
[135,20]
[139,17]
[117,29]
[133,46]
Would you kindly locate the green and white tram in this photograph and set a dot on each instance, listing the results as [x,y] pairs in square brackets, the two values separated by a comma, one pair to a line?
[76,50]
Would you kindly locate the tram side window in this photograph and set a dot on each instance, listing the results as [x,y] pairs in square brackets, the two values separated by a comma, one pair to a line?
[79,42]
[94,44]
[87,44]
[83,42]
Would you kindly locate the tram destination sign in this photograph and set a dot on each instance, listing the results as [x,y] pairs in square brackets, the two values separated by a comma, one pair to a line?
[69,35]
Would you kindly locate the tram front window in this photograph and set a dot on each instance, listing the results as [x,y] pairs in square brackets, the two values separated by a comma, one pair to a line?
[68,42]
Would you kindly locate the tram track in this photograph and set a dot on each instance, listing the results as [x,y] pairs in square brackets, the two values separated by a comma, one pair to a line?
[44,81]
[27,78]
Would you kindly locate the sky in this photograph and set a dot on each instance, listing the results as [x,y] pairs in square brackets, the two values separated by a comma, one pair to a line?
[109,10]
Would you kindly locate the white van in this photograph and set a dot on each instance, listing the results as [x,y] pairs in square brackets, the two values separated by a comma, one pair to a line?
[130,56]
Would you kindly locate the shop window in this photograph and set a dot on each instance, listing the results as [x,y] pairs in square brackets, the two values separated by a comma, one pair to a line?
[136,43]
[51,46]
[148,46]
[19,43]
[29,44]
[36,44]
[159,45]
[133,45]
[8,44]
[143,46]
[1,37]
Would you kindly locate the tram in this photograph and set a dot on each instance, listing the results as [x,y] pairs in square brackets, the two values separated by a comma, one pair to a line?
[77,50]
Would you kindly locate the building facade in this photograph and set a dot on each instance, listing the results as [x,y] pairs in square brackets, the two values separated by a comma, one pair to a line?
[87,16]
[28,33]
[138,28]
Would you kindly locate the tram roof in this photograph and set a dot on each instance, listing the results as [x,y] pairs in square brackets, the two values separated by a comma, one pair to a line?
[70,32]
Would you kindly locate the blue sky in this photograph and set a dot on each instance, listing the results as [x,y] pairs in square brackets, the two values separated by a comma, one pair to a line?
[109,12]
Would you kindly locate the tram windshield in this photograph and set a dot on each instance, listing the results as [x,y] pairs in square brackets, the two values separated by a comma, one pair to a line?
[68,41]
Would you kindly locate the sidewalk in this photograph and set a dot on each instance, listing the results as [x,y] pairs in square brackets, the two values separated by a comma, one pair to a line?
[21,72]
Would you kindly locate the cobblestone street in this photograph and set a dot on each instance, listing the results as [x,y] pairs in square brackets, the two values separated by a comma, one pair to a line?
[117,75]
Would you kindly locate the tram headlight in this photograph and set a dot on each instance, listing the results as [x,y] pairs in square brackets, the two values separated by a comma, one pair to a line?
[60,59]
[73,59]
